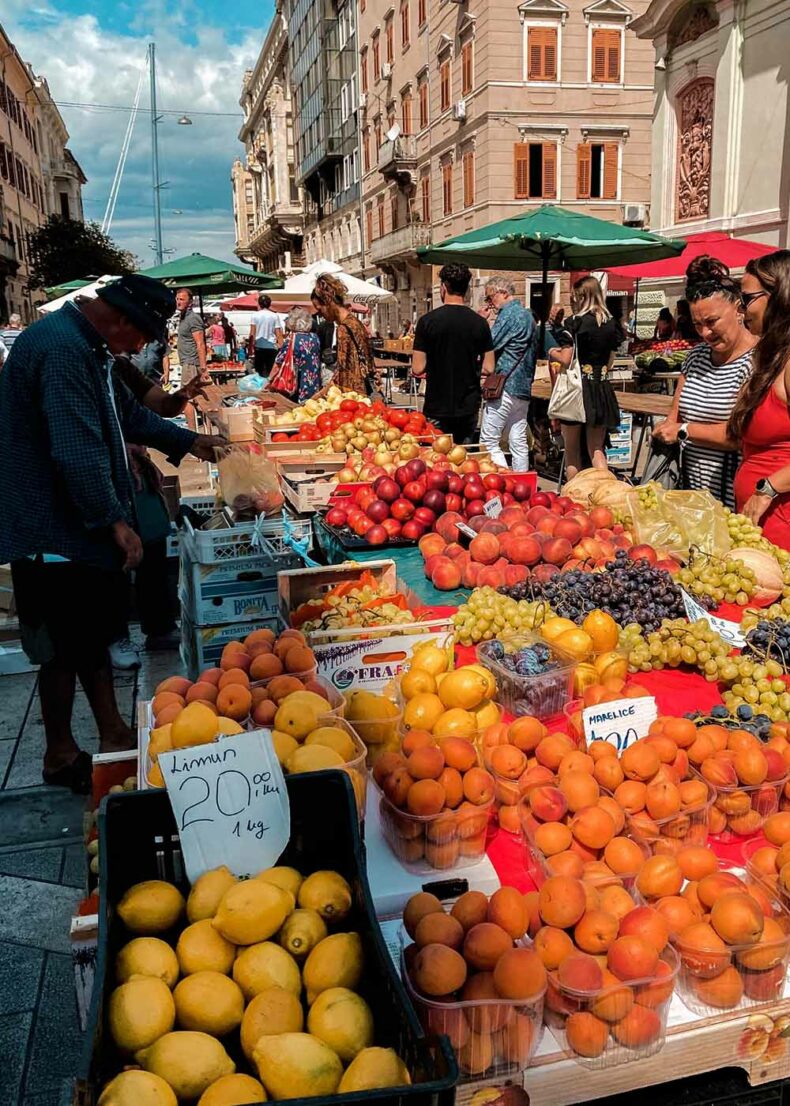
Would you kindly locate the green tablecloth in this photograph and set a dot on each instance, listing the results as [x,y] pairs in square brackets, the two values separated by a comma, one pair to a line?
[408,561]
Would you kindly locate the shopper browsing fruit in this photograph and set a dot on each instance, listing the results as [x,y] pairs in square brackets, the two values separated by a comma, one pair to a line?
[354,369]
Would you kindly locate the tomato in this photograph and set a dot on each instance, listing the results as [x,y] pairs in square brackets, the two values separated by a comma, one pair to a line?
[398,419]
[348,405]
[324,422]
[280,437]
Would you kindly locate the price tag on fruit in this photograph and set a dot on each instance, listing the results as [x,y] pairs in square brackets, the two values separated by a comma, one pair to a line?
[621,722]
[230,803]
[493,508]
[470,533]
[730,631]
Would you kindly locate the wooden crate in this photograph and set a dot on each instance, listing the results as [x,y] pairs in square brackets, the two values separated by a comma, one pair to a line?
[308,486]
[305,584]
[234,422]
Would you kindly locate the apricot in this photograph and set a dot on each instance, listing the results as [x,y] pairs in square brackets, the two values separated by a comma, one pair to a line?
[562,901]
[566,864]
[441,829]
[506,909]
[608,772]
[534,777]
[682,731]
[768,951]
[553,837]
[450,1021]
[551,749]
[507,761]
[640,1026]
[662,799]
[484,944]
[417,739]
[717,734]
[710,887]
[777,828]
[702,951]
[439,929]
[458,753]
[737,918]
[677,912]
[734,803]
[552,945]
[615,900]
[478,786]
[761,897]
[426,763]
[439,970]
[649,924]
[282,686]
[169,698]
[235,659]
[631,795]
[260,695]
[508,819]
[593,827]
[655,993]
[615,812]
[470,909]
[631,958]
[722,991]
[595,931]
[580,972]
[700,749]
[520,975]
[526,733]
[487,1017]
[665,747]
[696,862]
[623,855]
[580,790]
[264,666]
[548,803]
[385,764]
[717,821]
[640,761]
[300,659]
[416,909]
[234,701]
[179,685]
[396,786]
[532,904]
[443,854]
[746,824]
[660,875]
[516,1040]
[425,797]
[471,820]
[263,712]
[577,761]
[763,861]
[477,1055]
[751,766]
[614,1000]
[586,1035]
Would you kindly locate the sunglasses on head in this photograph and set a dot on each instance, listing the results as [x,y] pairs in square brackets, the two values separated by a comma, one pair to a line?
[749,297]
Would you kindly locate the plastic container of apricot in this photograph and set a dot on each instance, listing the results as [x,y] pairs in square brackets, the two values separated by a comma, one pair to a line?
[337,704]
[743,975]
[491,1038]
[541,696]
[380,737]
[668,835]
[425,844]
[757,871]
[356,767]
[612,1025]
[746,808]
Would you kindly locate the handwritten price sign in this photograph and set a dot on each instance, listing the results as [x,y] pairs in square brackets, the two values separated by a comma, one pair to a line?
[230,803]
[621,722]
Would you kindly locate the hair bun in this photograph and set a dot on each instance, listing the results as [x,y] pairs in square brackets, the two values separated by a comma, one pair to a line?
[706,269]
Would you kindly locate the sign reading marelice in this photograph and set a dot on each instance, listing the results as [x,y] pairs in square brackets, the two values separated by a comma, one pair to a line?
[621,722]
[230,803]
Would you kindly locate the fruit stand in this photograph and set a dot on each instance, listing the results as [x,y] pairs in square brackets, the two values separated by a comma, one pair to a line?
[553,733]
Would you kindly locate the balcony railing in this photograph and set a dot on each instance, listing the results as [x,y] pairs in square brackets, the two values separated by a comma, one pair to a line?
[398,158]
[401,243]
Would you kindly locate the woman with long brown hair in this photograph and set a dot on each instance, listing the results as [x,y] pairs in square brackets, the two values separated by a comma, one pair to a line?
[355,369]
[760,420]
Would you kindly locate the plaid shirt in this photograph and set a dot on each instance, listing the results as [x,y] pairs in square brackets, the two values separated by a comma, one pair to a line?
[513,335]
[64,479]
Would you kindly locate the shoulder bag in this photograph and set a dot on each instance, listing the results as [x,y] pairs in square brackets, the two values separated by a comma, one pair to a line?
[567,399]
[493,386]
[283,377]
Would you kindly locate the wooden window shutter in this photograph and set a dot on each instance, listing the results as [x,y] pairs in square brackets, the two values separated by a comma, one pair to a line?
[423,105]
[404,24]
[469,178]
[609,191]
[605,56]
[425,187]
[542,54]
[444,87]
[366,149]
[549,171]
[394,211]
[447,187]
[364,70]
[466,68]
[422,10]
[521,171]
[406,120]
[390,41]
[369,224]
[550,54]
[583,170]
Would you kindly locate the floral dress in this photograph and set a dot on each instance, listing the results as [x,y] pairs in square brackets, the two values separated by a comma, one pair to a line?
[307,363]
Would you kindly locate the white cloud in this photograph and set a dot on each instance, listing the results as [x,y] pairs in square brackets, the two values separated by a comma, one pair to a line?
[86,63]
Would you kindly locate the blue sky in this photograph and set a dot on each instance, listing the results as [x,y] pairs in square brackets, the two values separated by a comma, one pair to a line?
[93,52]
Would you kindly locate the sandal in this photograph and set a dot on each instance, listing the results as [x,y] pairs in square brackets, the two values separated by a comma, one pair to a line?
[78,776]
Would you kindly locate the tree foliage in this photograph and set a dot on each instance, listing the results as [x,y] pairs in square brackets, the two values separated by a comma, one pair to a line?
[65,249]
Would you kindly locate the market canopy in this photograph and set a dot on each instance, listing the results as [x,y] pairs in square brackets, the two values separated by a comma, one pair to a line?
[58,290]
[551,237]
[302,283]
[734,252]
[209,274]
[87,288]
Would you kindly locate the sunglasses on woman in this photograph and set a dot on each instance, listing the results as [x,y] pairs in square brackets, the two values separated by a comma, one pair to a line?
[749,297]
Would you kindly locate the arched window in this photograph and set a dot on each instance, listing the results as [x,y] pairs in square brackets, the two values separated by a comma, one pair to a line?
[695,137]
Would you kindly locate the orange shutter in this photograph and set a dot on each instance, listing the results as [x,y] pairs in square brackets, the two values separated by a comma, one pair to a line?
[362,6]
[390,41]
[447,187]
[394,211]
[609,171]
[521,171]
[466,68]
[549,171]
[369,224]
[444,78]
[381,216]
[542,54]
[583,170]
[364,69]
[376,58]
[425,186]
[404,24]
[366,149]
[423,105]
[421,12]
[469,178]
[605,56]
[406,114]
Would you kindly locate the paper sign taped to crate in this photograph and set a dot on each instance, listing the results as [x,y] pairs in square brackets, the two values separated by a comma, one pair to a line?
[493,508]
[230,803]
[621,722]
[730,631]
[369,663]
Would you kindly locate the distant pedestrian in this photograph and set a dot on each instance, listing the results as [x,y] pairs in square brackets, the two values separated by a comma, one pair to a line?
[513,335]
[266,335]
[216,339]
[665,326]
[231,337]
[153,360]
[3,352]
[10,333]
[191,338]
[302,347]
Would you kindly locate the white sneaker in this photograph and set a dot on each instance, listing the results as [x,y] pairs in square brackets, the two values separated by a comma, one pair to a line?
[124,654]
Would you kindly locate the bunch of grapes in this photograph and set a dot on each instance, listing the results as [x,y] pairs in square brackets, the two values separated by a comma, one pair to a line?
[630,591]
[758,685]
[744,532]
[770,640]
[713,580]
[742,718]
[488,614]
[678,642]
[630,636]
[752,616]
[646,495]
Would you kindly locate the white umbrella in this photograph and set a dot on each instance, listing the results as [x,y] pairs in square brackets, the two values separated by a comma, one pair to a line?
[303,283]
[89,291]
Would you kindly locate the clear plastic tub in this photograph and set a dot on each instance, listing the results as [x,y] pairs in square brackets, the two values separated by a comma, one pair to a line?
[759,858]
[356,766]
[491,1038]
[743,975]
[745,808]
[540,696]
[613,1025]
[308,674]
[425,844]
[380,736]
[668,835]
[337,704]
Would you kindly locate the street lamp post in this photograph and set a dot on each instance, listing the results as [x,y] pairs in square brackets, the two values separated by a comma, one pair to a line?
[157,186]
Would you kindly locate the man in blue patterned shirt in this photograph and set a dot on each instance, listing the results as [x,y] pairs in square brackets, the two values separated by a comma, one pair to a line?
[66,500]
[513,335]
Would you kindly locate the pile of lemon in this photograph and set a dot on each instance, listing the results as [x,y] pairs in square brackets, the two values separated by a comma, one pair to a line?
[255,963]
[457,703]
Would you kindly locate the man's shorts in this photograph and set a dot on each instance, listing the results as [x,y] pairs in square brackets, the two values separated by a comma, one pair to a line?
[68,611]
[189,372]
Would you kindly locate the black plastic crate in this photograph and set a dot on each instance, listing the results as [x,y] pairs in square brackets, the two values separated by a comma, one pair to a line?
[139,841]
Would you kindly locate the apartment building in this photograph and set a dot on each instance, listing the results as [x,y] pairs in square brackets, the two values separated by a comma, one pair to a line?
[267,202]
[472,112]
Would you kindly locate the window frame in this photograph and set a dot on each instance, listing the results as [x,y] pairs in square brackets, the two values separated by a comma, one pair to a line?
[424,100]
[555,25]
[468,177]
[467,66]
[447,187]
[445,84]
[407,112]
[425,197]
[422,14]
[525,195]
[380,225]
[363,69]
[608,147]
[389,40]
[405,25]
[609,28]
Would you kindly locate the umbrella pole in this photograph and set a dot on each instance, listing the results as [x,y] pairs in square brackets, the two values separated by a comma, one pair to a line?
[544,296]
[636,306]
[200,301]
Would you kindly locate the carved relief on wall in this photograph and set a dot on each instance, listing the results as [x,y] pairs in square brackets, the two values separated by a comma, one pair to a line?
[695,135]
[692,22]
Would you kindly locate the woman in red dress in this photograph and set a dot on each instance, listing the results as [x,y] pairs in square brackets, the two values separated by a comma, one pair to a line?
[761,417]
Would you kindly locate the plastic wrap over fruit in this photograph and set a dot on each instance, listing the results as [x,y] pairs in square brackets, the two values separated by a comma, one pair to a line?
[249,480]
[677,520]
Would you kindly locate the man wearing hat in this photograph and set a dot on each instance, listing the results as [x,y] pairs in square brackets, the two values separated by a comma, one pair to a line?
[66,499]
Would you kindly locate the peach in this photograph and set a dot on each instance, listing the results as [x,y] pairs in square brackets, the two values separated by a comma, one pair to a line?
[416,909]
[520,975]
[595,931]
[446,575]
[471,909]
[777,767]
[548,803]
[552,945]
[580,790]
[485,1018]
[702,951]
[579,972]
[562,901]
[719,770]
[640,1026]
[631,958]
[769,951]
[438,970]
[586,1035]
[484,944]
[484,548]
[737,918]
[553,837]
[660,875]
[623,855]
[649,924]
[593,827]
[722,991]
[430,544]
[506,909]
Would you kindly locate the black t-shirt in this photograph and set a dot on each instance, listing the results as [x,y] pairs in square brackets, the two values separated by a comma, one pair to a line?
[595,342]
[454,339]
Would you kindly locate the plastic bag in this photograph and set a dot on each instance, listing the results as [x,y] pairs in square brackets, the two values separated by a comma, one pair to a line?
[677,520]
[249,483]
[252,383]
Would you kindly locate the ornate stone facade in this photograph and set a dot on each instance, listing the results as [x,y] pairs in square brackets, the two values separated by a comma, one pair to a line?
[692,23]
[695,139]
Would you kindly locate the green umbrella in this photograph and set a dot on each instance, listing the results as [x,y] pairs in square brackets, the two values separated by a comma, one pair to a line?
[209,274]
[58,290]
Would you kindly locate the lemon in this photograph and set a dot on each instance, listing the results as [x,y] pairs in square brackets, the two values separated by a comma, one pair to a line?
[209,1002]
[375,717]
[423,712]
[141,1011]
[553,627]
[299,713]
[296,1065]
[154,776]
[488,676]
[414,682]
[328,893]
[152,906]
[286,878]
[430,658]
[274,1010]
[201,949]
[284,745]
[341,1020]
[487,714]
[226,726]
[147,956]
[207,892]
[196,724]
[463,688]
[189,1062]
[313,758]
[456,722]
[333,738]
[160,740]
[252,911]
[233,1090]
[301,933]
[259,967]
[137,1088]
[373,1069]
[336,961]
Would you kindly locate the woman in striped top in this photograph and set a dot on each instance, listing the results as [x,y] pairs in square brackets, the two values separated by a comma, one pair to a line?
[712,376]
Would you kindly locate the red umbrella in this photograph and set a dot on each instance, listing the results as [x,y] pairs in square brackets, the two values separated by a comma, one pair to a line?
[734,252]
[249,301]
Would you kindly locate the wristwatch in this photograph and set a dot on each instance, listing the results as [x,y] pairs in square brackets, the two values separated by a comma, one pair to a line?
[765,487]
[683,432]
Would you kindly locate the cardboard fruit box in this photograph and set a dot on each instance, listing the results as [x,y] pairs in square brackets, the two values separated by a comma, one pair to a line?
[308,486]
